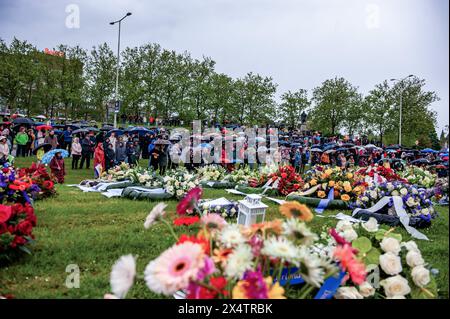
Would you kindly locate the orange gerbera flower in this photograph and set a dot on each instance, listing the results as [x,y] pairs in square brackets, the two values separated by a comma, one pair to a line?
[274,226]
[220,256]
[345,197]
[297,210]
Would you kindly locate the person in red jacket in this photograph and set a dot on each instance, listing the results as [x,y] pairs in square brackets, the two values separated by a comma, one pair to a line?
[99,159]
[57,167]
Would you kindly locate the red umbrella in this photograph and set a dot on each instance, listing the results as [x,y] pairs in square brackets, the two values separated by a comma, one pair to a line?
[44,127]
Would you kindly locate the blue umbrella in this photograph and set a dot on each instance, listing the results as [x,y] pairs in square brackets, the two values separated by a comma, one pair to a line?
[203,145]
[49,155]
[139,130]
[428,150]
[118,132]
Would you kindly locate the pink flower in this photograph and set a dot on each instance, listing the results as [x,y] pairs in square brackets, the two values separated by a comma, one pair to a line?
[188,203]
[213,221]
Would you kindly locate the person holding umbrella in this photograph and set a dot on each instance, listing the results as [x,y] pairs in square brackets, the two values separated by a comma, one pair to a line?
[67,133]
[51,139]
[86,149]
[57,167]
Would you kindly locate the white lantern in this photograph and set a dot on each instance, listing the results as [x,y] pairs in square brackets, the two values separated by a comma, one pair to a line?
[251,210]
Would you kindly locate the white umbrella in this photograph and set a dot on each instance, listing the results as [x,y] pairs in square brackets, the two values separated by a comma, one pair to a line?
[41,117]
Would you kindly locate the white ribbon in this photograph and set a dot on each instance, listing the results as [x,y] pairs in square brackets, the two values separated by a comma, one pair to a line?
[399,210]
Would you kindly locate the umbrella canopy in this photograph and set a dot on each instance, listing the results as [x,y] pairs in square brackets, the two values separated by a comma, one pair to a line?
[139,130]
[205,145]
[92,129]
[46,146]
[296,144]
[395,146]
[44,127]
[81,130]
[260,139]
[316,150]
[342,149]
[40,117]
[116,131]
[23,120]
[283,143]
[421,161]
[330,151]
[428,150]
[48,156]
[347,145]
[73,126]
[162,142]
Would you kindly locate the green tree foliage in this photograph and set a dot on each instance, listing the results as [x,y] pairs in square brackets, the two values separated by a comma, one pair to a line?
[331,100]
[292,106]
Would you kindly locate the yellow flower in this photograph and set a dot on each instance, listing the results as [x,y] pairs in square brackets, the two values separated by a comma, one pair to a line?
[357,190]
[324,176]
[313,182]
[345,197]
[274,290]
[329,171]
[331,183]
[349,175]
[297,210]
[321,194]
[348,189]
[306,186]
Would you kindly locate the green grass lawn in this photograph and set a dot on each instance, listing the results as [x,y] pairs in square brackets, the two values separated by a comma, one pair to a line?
[92,231]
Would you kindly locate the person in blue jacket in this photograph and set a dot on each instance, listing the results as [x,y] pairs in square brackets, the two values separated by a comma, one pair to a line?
[68,139]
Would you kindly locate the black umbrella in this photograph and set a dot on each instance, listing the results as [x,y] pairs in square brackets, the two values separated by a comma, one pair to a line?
[46,146]
[81,130]
[421,161]
[342,149]
[23,120]
[347,145]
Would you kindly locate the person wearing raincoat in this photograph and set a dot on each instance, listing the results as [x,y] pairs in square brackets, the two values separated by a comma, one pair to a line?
[99,160]
[57,167]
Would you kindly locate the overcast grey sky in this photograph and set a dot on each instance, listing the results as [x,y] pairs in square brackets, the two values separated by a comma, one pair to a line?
[299,43]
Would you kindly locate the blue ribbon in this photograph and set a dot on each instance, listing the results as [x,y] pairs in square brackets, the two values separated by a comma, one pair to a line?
[324,202]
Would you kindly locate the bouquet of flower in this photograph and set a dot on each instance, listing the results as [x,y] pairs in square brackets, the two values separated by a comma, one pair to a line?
[419,176]
[228,211]
[416,201]
[288,180]
[397,268]
[16,189]
[16,226]
[221,260]
[321,179]
[379,173]
[179,181]
[242,175]
[117,173]
[211,173]
[39,175]
[441,189]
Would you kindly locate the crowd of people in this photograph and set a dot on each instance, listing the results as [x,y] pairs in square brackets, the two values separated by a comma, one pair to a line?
[108,149]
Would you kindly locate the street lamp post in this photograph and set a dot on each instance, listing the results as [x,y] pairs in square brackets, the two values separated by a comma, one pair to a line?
[117,67]
[400,120]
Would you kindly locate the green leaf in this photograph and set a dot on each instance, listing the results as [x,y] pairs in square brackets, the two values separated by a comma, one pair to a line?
[381,233]
[363,244]
[372,257]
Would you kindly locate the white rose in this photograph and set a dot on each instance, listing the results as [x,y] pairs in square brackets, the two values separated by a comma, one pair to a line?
[395,193]
[414,258]
[365,199]
[371,225]
[373,194]
[421,276]
[366,289]
[411,245]
[179,192]
[415,191]
[348,293]
[350,235]
[403,191]
[390,263]
[395,286]
[389,244]
[425,211]
[410,202]
[343,225]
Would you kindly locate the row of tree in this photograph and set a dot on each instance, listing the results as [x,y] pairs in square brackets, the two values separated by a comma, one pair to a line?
[166,84]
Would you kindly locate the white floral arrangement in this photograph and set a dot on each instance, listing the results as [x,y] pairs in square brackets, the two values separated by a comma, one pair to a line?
[117,173]
[179,181]
[242,175]
[419,176]
[396,269]
[211,173]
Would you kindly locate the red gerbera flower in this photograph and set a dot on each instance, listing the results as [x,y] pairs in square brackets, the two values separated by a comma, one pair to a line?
[196,240]
[186,221]
[187,204]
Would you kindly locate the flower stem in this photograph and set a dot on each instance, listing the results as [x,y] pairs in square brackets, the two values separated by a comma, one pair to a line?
[170,228]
